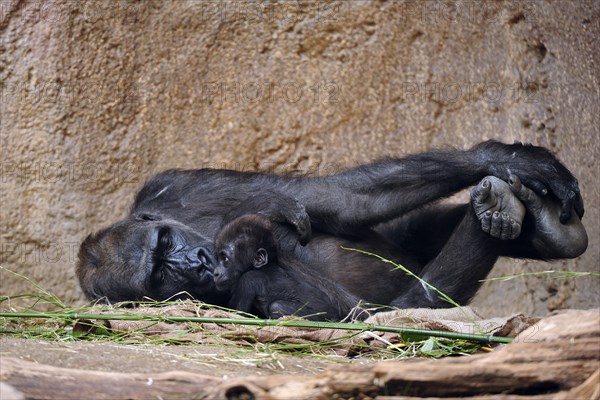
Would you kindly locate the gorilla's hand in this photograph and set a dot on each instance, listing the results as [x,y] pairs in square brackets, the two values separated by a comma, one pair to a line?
[537,168]
[277,207]
[296,215]
[554,239]
[290,211]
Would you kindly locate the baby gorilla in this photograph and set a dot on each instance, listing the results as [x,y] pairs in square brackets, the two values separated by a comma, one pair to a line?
[248,267]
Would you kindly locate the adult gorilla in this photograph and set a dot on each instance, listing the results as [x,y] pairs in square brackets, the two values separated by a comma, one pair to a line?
[164,248]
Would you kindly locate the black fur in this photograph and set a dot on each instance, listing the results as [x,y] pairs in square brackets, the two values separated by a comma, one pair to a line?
[386,207]
[248,266]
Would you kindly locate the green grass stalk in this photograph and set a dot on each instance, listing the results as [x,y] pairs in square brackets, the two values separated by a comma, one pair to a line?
[443,295]
[550,274]
[264,323]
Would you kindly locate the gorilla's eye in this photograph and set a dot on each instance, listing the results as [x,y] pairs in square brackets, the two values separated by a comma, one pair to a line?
[223,257]
[148,217]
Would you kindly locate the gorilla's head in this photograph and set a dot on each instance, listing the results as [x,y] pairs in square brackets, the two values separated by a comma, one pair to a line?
[146,256]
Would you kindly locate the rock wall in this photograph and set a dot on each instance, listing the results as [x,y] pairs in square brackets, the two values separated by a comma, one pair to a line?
[97,96]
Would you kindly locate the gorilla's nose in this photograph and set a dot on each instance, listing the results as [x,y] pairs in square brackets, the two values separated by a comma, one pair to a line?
[203,258]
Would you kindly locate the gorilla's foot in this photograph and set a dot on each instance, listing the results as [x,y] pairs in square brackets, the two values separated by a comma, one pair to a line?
[550,237]
[497,208]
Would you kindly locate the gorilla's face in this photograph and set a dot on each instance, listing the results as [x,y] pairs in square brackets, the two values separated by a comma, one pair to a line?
[146,256]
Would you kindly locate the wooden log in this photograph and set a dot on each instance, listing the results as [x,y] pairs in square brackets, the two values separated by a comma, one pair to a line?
[554,356]
[38,381]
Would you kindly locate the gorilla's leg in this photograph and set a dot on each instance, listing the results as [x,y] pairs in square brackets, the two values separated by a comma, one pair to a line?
[425,231]
[465,259]
[498,210]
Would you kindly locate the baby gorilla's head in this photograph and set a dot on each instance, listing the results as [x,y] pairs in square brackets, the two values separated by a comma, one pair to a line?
[243,244]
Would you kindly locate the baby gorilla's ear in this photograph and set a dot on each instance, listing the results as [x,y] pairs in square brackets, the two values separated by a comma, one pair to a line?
[261,258]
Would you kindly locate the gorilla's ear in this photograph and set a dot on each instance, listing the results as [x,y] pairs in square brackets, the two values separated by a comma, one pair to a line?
[147,217]
[261,258]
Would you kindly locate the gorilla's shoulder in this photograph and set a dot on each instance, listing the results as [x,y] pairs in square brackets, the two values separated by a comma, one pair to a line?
[168,186]
[179,174]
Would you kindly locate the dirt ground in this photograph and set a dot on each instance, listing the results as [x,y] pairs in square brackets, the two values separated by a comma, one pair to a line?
[217,361]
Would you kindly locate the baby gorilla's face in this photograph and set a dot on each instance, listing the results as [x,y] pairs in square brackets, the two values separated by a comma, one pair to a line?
[242,245]
[230,265]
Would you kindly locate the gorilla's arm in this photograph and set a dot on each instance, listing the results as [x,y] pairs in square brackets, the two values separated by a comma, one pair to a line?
[381,191]
[363,196]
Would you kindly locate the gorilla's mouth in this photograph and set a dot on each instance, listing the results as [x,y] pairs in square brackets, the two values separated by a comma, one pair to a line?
[204,275]
[223,286]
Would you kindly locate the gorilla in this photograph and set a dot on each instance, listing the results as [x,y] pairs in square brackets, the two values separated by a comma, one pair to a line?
[526,204]
[249,267]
